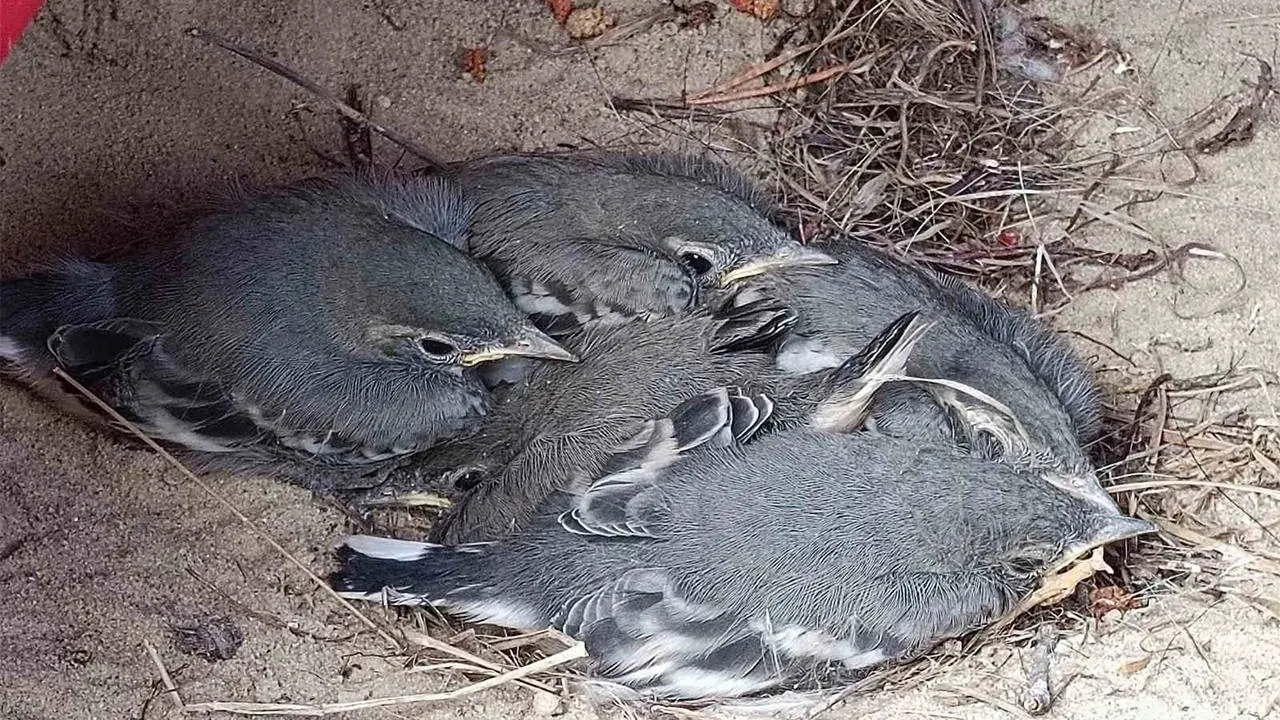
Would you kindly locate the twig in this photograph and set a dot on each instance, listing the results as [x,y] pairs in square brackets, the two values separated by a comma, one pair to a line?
[574,652]
[426,641]
[1039,697]
[170,688]
[355,135]
[311,86]
[1227,550]
[218,497]
[994,702]
[1157,484]
[266,617]
[810,79]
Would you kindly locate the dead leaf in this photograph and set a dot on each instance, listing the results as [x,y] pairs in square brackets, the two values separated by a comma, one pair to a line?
[760,9]
[1243,125]
[1105,599]
[1055,588]
[1135,666]
[475,61]
[560,9]
[587,23]
[697,15]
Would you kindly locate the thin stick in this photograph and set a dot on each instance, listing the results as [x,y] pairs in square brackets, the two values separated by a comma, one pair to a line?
[1233,553]
[426,641]
[809,79]
[208,490]
[756,71]
[312,87]
[994,702]
[574,652]
[170,688]
[1039,697]
[1157,484]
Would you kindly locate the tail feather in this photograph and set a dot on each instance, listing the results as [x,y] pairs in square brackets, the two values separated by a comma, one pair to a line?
[455,579]
[32,308]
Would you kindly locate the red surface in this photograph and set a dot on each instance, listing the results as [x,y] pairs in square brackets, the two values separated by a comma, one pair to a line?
[15,15]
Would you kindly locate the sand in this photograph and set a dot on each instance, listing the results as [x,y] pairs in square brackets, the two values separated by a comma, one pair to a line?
[112,117]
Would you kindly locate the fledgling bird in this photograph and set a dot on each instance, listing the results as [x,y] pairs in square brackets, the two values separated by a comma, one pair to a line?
[595,238]
[1036,397]
[709,560]
[336,324]
[563,423]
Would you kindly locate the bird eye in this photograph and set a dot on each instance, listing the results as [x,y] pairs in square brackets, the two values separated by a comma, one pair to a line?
[436,347]
[695,262]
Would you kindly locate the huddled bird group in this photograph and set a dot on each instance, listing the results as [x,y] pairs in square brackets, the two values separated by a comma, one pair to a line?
[727,461]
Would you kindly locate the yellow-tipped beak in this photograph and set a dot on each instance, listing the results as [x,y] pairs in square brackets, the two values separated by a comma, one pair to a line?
[792,255]
[532,343]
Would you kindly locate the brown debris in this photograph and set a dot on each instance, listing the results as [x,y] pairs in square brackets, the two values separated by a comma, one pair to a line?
[212,637]
[560,9]
[475,62]
[588,22]
[1105,599]
[697,15]
[1243,125]
[760,9]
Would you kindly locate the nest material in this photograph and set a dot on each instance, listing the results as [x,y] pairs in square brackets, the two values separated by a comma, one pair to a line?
[938,140]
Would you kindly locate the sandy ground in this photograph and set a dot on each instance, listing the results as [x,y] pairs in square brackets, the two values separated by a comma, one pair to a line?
[112,116]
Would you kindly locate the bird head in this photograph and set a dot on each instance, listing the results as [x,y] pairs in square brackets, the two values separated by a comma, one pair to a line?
[465,348]
[421,301]
[724,262]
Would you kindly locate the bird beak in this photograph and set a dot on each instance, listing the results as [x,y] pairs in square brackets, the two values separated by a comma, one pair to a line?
[531,343]
[790,255]
[1107,529]
[1084,486]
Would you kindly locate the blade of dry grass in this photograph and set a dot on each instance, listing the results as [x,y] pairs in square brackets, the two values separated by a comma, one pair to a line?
[574,652]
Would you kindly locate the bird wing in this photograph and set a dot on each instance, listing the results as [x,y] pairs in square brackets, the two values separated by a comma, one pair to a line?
[575,282]
[643,634]
[124,362]
[855,382]
[619,503]
[753,325]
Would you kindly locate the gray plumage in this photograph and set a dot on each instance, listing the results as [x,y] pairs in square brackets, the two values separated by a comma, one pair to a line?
[564,422]
[977,341]
[707,561]
[594,238]
[332,323]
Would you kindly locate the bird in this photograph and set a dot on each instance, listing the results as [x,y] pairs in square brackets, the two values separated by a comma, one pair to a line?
[989,377]
[334,324]
[708,559]
[600,238]
[563,422]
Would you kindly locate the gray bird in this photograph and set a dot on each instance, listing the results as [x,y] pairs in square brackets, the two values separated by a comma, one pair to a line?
[563,423]
[333,324]
[593,238]
[1046,404]
[708,560]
